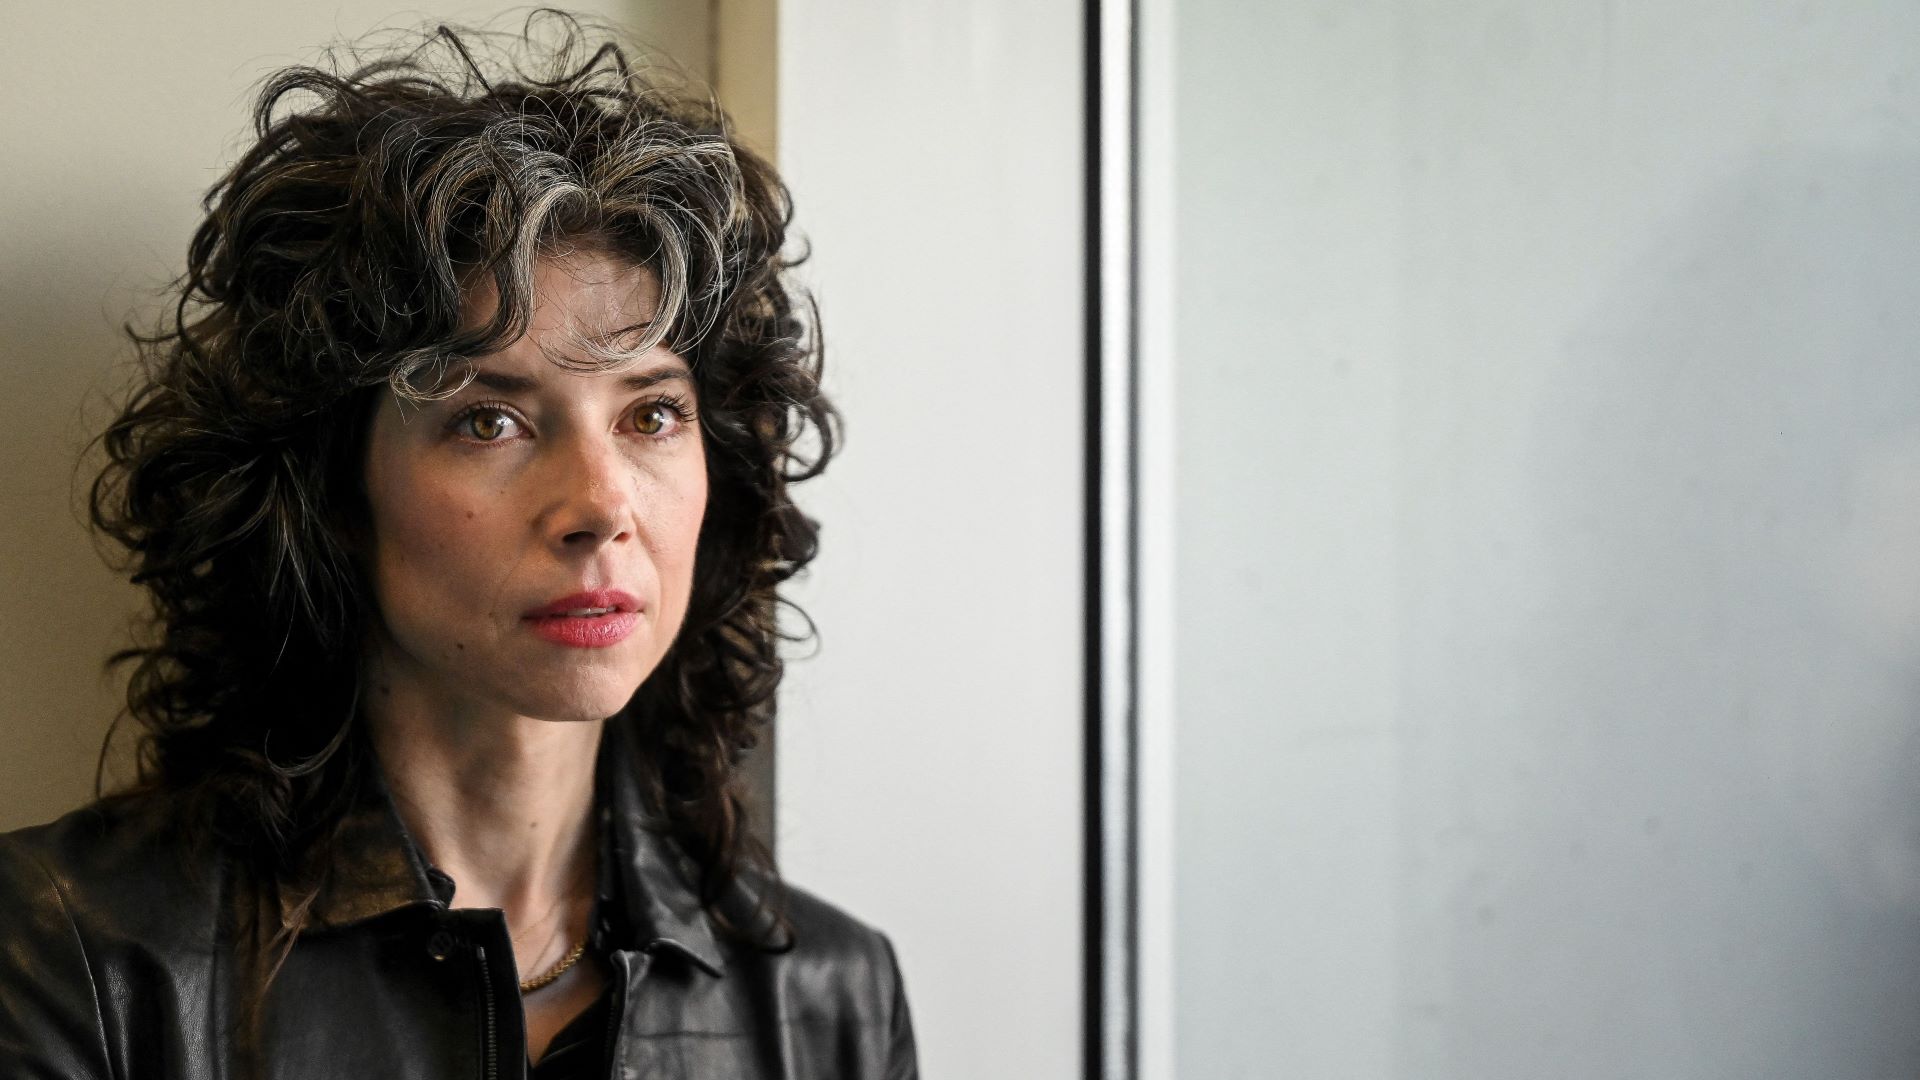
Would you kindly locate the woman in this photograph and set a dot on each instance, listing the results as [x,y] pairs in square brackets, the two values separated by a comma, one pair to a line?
[458,480]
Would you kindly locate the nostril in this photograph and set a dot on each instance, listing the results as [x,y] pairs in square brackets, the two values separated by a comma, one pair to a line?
[593,536]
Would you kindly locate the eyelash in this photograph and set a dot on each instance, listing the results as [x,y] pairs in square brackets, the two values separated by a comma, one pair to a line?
[681,409]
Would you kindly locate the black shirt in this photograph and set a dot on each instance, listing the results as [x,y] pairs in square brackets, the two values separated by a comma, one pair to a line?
[579,1050]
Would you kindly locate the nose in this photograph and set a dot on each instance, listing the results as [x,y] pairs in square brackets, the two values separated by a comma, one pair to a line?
[591,501]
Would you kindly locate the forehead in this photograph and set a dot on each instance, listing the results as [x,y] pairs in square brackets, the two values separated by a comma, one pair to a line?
[590,311]
[583,294]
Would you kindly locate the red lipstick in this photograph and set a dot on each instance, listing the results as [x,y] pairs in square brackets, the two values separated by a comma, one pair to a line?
[587,620]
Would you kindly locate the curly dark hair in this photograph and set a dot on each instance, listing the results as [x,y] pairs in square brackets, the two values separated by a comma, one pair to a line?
[331,270]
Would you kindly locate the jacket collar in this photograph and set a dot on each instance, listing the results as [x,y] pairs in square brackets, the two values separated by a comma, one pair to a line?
[375,867]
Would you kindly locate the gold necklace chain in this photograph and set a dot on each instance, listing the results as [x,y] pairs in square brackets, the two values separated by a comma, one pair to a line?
[538,981]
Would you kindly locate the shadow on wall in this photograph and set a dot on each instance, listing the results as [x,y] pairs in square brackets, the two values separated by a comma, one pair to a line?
[1716,819]
[64,609]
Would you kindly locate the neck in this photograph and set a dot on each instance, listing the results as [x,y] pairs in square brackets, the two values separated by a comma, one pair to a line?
[503,804]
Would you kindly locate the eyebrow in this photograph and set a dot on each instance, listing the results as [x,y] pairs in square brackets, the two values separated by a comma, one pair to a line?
[520,384]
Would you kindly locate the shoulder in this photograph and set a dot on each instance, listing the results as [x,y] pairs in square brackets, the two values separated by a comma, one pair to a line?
[848,966]
[800,926]
[95,903]
[34,889]
[849,978]
[824,933]
[118,869]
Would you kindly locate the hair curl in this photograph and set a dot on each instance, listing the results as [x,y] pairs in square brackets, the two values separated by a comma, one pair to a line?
[331,269]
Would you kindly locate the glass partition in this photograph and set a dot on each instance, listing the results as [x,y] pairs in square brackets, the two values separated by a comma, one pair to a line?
[1528,421]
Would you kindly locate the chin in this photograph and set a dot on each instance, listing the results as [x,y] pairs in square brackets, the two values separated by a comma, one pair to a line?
[589,684]
[574,709]
[582,700]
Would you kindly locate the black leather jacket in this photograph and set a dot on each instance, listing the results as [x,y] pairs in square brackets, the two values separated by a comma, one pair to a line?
[115,962]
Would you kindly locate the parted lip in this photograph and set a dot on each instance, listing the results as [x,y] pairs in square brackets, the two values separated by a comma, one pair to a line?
[617,599]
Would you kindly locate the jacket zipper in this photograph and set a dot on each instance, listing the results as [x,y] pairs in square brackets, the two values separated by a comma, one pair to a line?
[492,1055]
[613,1031]
[622,981]
[627,971]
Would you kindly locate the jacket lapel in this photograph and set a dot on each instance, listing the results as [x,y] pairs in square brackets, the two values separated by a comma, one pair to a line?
[655,880]
[375,866]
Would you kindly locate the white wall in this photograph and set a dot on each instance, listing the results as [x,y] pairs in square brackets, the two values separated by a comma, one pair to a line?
[1548,526]
[929,768]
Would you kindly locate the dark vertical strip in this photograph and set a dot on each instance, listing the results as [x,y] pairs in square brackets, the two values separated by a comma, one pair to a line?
[1112,524]
[759,768]
[1094,938]
[1130,870]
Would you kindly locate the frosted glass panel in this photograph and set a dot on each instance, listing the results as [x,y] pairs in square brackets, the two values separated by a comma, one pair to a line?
[1546,527]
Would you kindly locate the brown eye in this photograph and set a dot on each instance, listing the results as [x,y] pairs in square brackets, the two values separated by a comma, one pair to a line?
[652,418]
[488,425]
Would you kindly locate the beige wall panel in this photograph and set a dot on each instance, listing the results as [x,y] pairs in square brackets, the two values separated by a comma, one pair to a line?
[746,68]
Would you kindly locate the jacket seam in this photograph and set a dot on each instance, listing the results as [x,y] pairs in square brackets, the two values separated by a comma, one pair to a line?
[86,961]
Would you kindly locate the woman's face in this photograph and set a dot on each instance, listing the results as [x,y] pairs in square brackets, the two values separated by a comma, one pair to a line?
[533,535]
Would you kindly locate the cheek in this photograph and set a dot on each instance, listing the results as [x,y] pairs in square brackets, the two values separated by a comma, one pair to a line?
[429,550]
[695,509]
[677,535]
